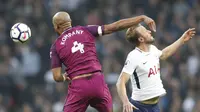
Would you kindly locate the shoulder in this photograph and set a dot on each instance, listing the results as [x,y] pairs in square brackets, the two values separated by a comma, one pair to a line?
[53,46]
[84,28]
[134,52]
[134,55]
[132,61]
[79,27]
[153,48]
[74,28]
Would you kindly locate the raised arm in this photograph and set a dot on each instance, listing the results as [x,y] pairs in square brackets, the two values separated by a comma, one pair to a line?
[171,49]
[127,23]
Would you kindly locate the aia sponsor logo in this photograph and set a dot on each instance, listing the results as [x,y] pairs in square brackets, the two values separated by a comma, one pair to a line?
[153,71]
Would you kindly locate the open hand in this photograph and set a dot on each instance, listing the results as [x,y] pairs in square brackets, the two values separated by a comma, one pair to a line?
[188,34]
[128,107]
[150,22]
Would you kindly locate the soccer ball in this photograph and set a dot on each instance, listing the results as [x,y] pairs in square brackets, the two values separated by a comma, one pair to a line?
[20,32]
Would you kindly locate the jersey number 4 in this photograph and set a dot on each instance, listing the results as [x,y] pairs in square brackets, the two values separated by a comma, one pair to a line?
[77,47]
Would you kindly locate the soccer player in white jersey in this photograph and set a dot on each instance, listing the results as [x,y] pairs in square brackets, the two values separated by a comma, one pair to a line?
[143,68]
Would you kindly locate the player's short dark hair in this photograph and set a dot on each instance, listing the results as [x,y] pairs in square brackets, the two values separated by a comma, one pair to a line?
[132,36]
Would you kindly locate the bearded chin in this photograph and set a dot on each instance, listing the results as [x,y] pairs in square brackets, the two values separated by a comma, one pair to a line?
[150,42]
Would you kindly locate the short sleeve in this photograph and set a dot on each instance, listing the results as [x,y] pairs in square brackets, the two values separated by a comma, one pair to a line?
[55,60]
[130,64]
[156,51]
[95,30]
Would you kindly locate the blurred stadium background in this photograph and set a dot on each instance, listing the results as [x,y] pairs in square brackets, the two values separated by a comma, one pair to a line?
[26,84]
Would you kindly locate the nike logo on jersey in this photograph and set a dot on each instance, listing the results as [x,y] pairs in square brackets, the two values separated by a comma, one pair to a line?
[144,62]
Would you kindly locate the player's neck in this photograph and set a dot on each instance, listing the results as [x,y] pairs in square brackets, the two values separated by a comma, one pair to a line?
[144,47]
[64,29]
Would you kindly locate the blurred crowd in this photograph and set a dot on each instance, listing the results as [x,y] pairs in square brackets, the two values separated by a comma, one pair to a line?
[27,85]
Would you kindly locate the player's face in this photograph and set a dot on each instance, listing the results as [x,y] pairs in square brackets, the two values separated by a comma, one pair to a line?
[145,34]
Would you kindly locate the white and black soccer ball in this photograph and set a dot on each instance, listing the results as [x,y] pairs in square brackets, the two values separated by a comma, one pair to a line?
[20,32]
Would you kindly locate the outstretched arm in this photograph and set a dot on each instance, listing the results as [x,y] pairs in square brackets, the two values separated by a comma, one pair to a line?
[171,49]
[127,23]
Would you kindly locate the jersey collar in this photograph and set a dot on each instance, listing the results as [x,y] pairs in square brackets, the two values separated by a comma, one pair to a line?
[138,49]
[66,30]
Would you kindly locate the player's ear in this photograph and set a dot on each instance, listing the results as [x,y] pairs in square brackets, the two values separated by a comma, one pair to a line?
[55,27]
[140,39]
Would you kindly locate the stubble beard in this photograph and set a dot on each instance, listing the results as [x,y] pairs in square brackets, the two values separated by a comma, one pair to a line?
[150,41]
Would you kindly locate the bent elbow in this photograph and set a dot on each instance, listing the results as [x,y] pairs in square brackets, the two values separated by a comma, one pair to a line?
[118,84]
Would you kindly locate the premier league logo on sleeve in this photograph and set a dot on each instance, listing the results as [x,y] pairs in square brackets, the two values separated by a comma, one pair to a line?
[127,62]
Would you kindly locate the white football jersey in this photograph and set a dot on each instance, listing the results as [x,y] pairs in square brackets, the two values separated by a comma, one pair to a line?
[144,68]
